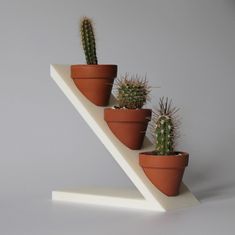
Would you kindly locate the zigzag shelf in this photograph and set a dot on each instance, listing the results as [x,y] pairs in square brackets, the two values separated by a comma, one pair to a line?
[146,196]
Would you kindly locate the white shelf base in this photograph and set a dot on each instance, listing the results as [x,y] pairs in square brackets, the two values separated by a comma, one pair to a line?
[113,198]
[152,198]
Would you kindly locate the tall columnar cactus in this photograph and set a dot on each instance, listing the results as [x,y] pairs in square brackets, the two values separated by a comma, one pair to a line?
[165,128]
[88,40]
[132,93]
[164,135]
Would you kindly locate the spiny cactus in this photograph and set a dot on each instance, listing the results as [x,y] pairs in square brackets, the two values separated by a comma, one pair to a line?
[165,127]
[133,92]
[88,40]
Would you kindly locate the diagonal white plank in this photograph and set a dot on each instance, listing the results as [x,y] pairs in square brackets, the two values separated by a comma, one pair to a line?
[150,197]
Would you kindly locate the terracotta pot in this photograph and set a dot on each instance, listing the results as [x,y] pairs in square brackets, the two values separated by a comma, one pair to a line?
[165,172]
[94,81]
[128,125]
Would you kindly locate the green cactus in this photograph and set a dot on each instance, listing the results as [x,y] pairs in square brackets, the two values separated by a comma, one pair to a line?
[164,137]
[88,41]
[165,128]
[132,93]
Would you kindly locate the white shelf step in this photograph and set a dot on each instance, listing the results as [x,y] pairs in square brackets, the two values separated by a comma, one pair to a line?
[125,157]
[105,197]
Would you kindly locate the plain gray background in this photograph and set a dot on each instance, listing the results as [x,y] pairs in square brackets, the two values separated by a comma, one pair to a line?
[187,47]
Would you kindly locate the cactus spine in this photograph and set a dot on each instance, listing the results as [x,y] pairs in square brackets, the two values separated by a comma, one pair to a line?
[88,41]
[165,128]
[132,93]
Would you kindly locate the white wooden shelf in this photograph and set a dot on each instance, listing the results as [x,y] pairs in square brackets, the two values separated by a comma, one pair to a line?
[147,196]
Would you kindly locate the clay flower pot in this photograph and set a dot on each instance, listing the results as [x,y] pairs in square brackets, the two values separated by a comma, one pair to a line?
[165,172]
[128,125]
[94,81]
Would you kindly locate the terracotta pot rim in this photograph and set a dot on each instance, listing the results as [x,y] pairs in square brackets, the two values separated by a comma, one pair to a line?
[127,115]
[99,71]
[125,109]
[149,160]
[93,65]
[177,154]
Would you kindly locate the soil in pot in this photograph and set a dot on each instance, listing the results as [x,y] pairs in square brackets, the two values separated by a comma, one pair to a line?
[95,81]
[128,125]
[165,172]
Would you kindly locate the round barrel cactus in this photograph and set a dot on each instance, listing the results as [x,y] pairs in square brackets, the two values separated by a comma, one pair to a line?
[132,92]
